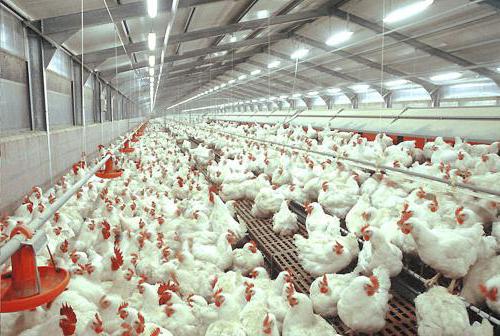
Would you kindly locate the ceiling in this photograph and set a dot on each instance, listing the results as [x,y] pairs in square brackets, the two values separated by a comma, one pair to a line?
[213,42]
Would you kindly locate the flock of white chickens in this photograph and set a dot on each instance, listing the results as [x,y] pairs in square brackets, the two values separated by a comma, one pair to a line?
[154,252]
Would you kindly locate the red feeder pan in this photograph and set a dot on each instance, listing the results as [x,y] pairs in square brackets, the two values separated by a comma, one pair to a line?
[29,286]
[126,148]
[109,171]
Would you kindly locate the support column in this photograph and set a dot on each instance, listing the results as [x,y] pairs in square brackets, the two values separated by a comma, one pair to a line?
[76,92]
[96,100]
[109,105]
[388,100]
[37,81]
[354,101]
[436,97]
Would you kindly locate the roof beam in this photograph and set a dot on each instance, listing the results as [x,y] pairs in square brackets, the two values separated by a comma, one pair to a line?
[290,73]
[329,72]
[63,27]
[365,61]
[420,46]
[200,52]
[99,56]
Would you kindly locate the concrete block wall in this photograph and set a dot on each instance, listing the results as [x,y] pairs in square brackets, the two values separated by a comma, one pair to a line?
[24,157]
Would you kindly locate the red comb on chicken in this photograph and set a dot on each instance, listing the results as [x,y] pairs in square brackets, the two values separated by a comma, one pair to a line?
[69,320]
[97,324]
[323,285]
[117,259]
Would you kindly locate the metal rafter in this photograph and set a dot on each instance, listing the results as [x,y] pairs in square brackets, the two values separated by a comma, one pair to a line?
[433,51]
[63,27]
[365,61]
[290,73]
[99,56]
[199,52]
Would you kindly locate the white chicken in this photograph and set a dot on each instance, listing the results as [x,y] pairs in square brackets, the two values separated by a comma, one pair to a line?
[319,255]
[247,258]
[301,320]
[364,303]
[325,292]
[441,313]
[285,221]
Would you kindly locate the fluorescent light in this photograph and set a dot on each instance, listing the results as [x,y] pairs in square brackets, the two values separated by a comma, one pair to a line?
[222,85]
[151,72]
[397,82]
[216,88]
[296,95]
[446,76]
[242,77]
[498,69]
[262,14]
[152,8]
[312,93]
[231,81]
[407,11]
[255,72]
[333,90]
[283,97]
[360,87]
[233,39]
[152,41]
[299,53]
[273,64]
[152,60]
[339,37]
[262,99]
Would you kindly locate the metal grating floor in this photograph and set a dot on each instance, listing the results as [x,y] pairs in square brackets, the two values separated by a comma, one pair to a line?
[282,254]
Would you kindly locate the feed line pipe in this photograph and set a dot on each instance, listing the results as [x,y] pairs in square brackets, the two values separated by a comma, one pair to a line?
[493,194]
[11,247]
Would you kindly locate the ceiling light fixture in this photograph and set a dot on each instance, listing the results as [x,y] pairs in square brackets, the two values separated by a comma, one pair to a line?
[152,41]
[296,95]
[405,12]
[299,53]
[312,93]
[360,87]
[339,37]
[333,90]
[446,76]
[233,39]
[152,60]
[231,81]
[262,14]
[255,72]
[242,77]
[397,82]
[273,64]
[152,8]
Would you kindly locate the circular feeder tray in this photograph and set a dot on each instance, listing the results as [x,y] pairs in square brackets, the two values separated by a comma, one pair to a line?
[52,282]
[109,174]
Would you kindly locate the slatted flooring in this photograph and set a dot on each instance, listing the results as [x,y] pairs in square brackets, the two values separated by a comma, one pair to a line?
[282,254]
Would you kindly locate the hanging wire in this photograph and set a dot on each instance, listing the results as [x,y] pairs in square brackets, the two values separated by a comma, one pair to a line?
[382,67]
[82,86]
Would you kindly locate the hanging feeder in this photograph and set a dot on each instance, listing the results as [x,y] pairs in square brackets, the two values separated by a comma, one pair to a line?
[28,286]
[126,148]
[109,171]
